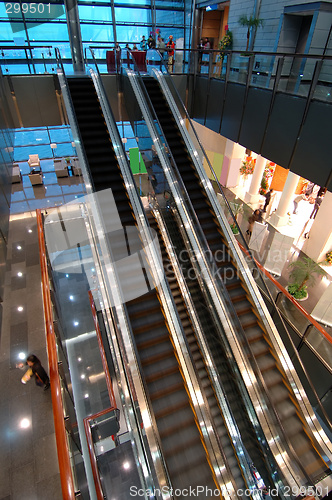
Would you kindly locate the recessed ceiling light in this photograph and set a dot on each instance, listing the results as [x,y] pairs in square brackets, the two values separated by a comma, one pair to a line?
[19,274]
[20,308]
[25,423]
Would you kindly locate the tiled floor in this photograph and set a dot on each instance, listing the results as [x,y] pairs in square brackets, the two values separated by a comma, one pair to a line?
[29,466]
[28,459]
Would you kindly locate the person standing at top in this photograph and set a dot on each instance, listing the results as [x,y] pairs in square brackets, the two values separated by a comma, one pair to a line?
[170,46]
[267,199]
[161,45]
[143,43]
[207,44]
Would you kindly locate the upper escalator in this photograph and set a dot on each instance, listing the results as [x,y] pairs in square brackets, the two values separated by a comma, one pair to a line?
[269,366]
[177,426]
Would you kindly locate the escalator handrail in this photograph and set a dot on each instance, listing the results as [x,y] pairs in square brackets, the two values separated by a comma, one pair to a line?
[66,474]
[294,380]
[97,232]
[258,399]
[172,317]
[209,363]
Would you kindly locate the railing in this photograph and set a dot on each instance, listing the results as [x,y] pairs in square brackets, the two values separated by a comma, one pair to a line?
[283,72]
[66,475]
[113,407]
[326,356]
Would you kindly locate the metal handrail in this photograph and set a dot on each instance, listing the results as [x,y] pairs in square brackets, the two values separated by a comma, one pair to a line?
[66,475]
[102,351]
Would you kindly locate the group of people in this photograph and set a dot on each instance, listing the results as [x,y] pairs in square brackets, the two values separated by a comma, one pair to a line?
[308,196]
[150,43]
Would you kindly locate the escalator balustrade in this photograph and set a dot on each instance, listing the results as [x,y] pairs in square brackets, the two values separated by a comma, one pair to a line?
[279,389]
[181,441]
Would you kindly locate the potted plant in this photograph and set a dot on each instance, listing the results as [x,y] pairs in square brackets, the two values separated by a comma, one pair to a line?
[251,23]
[303,274]
[237,209]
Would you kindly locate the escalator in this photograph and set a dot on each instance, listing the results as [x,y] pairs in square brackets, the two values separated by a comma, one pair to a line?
[279,390]
[181,443]
[198,358]
[255,449]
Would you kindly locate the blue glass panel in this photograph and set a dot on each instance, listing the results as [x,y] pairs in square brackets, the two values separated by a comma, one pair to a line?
[64,150]
[22,153]
[132,15]
[135,2]
[131,34]
[170,3]
[96,13]
[60,134]
[6,32]
[94,33]
[169,17]
[31,137]
[48,31]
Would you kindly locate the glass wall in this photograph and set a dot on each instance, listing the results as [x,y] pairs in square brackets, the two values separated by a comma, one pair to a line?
[102,23]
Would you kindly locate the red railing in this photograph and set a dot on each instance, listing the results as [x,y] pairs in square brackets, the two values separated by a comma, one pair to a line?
[291,298]
[113,407]
[66,475]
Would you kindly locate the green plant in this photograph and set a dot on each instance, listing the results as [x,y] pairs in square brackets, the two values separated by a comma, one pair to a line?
[252,23]
[303,274]
[234,228]
[297,292]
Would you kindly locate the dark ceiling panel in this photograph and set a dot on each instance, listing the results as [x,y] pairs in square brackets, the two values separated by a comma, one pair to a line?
[255,118]
[312,158]
[233,108]
[215,105]
[200,97]
[282,128]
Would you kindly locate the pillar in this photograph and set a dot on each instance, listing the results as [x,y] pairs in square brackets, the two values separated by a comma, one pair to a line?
[234,154]
[280,217]
[252,196]
[320,234]
[75,38]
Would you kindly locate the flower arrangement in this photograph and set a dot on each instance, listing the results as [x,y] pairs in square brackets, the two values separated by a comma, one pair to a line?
[267,174]
[226,42]
[329,257]
[248,166]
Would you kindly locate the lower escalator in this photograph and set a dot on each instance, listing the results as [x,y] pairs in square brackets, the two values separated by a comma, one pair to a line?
[181,443]
[280,392]
[254,447]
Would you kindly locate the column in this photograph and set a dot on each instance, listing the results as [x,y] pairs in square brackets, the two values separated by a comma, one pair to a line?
[252,196]
[279,217]
[75,38]
[230,173]
[320,234]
